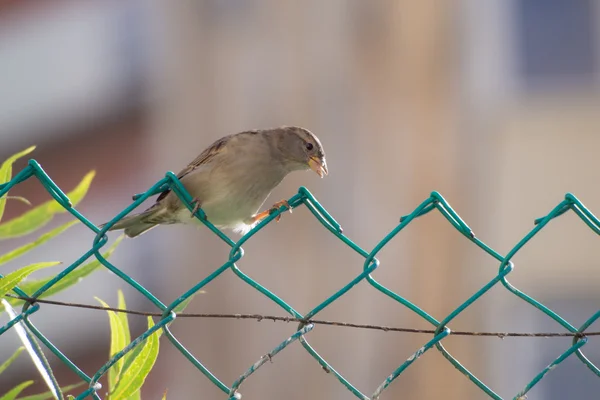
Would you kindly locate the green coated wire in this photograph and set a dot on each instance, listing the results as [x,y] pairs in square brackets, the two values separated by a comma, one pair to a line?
[302,198]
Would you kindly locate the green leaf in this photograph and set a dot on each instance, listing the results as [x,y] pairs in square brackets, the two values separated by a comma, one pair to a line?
[75,195]
[117,343]
[49,395]
[123,316]
[32,286]
[11,280]
[130,357]
[6,173]
[6,168]
[12,358]
[14,392]
[39,216]
[125,322]
[19,251]
[133,378]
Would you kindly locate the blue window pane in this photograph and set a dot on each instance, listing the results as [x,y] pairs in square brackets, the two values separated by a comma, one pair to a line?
[571,379]
[556,39]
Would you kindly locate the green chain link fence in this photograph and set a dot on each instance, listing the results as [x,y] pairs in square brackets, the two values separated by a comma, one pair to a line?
[303,197]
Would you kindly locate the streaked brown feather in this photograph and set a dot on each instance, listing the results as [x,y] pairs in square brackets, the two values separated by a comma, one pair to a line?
[208,154]
[204,157]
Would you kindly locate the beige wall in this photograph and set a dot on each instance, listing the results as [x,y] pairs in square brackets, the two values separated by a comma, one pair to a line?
[380,105]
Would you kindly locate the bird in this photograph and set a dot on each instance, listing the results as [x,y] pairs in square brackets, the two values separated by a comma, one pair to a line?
[232,178]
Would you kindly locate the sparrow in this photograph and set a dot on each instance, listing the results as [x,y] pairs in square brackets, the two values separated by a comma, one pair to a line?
[232,178]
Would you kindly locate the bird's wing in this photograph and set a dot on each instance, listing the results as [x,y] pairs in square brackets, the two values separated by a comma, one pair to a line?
[205,157]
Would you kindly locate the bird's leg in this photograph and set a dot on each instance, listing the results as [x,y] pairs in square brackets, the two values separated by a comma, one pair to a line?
[259,217]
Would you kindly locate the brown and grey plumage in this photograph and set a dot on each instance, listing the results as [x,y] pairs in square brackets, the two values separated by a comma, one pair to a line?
[233,177]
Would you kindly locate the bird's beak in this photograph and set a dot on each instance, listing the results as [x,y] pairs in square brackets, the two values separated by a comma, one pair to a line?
[318,165]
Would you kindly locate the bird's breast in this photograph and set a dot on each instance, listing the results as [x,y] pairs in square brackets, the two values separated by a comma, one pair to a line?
[236,191]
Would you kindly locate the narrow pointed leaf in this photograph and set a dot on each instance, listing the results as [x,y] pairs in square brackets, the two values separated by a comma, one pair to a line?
[40,215]
[12,358]
[75,195]
[6,173]
[31,286]
[11,280]
[6,168]
[14,392]
[133,378]
[19,251]
[131,356]
[123,316]
[117,343]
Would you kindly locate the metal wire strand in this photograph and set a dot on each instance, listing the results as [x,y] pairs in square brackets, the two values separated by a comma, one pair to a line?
[275,318]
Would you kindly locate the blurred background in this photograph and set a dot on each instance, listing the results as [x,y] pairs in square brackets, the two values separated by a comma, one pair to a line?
[493,103]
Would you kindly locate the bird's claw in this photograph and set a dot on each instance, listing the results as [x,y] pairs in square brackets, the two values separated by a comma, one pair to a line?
[276,207]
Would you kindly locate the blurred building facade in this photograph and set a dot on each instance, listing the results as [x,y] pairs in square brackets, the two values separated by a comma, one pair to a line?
[492,103]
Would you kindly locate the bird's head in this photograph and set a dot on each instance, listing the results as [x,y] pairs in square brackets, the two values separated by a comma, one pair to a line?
[301,149]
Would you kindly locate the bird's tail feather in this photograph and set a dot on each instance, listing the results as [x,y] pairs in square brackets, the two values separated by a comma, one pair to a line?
[135,225]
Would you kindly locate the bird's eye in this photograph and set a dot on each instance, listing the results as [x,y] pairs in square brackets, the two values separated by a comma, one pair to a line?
[309,146]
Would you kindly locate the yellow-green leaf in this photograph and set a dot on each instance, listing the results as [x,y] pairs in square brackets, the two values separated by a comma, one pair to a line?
[132,355]
[31,286]
[12,358]
[117,343]
[6,168]
[6,173]
[49,395]
[39,216]
[123,316]
[75,195]
[14,392]
[133,378]
[11,280]
[19,251]
[164,395]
